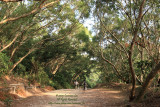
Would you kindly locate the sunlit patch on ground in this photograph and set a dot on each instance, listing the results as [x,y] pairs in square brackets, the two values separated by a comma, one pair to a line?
[81,98]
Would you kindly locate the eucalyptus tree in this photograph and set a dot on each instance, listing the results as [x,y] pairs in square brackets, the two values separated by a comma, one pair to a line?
[35,7]
[33,21]
[125,27]
[27,30]
[79,64]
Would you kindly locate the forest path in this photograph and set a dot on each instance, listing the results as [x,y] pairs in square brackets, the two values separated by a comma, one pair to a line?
[75,98]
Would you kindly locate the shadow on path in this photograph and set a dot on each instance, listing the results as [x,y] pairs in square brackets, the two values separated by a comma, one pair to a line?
[74,98]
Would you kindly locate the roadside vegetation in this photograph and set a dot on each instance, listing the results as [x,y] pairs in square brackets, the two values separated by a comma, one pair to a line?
[45,42]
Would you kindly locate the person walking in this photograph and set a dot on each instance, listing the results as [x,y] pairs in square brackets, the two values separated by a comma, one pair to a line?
[76,84]
[84,85]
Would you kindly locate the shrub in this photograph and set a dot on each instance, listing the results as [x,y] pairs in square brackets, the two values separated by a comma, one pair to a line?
[43,77]
[4,63]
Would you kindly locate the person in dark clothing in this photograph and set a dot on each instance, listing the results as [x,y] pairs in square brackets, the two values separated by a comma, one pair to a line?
[84,85]
[158,83]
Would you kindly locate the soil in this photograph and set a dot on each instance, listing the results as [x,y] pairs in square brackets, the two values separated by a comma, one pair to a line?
[75,98]
[7,95]
[104,95]
[110,95]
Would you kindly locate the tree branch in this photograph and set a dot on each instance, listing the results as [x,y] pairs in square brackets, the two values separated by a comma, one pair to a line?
[29,13]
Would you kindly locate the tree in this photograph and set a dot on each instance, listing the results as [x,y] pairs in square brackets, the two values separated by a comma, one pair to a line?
[122,23]
[47,38]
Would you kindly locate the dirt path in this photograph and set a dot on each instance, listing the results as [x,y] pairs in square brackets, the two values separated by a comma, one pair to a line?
[75,98]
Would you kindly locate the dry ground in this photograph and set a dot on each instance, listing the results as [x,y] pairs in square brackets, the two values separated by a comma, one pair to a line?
[110,95]
[104,95]
[89,98]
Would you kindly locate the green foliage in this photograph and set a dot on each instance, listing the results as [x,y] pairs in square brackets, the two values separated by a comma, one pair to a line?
[111,78]
[145,64]
[4,63]
[20,68]
[42,77]
[8,101]
[51,83]
[31,79]
[64,38]
[143,67]
[83,37]
[62,80]
[94,79]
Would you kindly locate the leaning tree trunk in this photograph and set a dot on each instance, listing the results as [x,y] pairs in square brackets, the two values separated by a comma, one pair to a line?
[34,11]
[114,67]
[8,45]
[148,81]
[20,60]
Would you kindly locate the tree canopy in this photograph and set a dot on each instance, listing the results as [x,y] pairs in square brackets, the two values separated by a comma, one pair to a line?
[46,41]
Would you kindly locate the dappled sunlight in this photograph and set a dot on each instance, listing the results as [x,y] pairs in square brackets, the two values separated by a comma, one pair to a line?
[118,97]
[112,46]
[111,91]
[92,97]
[7,78]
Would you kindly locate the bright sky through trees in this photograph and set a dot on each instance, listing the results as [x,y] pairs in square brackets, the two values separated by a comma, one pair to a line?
[124,44]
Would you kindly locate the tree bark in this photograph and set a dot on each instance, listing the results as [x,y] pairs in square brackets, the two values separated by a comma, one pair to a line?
[118,74]
[20,60]
[148,81]
[29,13]
[14,39]
[59,64]
[132,93]
[135,32]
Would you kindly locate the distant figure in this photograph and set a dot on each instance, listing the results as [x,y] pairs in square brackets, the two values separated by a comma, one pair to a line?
[158,83]
[76,84]
[84,85]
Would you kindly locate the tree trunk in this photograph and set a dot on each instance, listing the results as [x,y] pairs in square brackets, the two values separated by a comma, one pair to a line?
[36,10]
[76,75]
[14,39]
[114,67]
[60,63]
[20,60]
[148,81]
[142,72]
[132,93]
[13,52]
[135,32]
